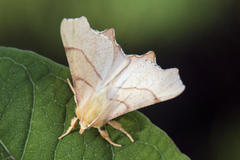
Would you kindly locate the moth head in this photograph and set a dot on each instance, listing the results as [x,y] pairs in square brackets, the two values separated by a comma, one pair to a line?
[83,126]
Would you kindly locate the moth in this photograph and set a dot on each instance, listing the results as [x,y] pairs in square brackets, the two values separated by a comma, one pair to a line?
[106,82]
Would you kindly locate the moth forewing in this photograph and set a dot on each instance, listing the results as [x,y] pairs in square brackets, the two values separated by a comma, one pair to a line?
[107,83]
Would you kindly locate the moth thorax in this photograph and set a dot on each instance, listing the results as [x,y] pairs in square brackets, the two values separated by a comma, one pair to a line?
[94,110]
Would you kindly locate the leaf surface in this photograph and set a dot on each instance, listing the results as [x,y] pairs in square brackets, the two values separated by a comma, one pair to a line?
[37,105]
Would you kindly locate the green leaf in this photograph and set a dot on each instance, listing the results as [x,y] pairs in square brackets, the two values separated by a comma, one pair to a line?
[36,107]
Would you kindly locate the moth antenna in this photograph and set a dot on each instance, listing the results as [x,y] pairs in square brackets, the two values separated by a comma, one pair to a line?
[103,110]
[88,101]
[113,77]
[127,95]
[117,105]
[131,90]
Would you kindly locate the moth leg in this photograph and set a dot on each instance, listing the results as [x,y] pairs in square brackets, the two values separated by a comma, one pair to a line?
[70,85]
[118,126]
[72,88]
[105,135]
[73,123]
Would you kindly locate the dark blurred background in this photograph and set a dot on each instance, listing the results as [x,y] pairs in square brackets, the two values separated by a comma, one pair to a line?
[201,38]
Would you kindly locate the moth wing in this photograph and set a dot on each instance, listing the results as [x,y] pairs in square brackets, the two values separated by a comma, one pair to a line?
[90,55]
[141,83]
[97,62]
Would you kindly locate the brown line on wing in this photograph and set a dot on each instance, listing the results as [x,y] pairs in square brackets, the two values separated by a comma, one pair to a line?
[127,107]
[155,97]
[72,48]
[122,103]
[78,78]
